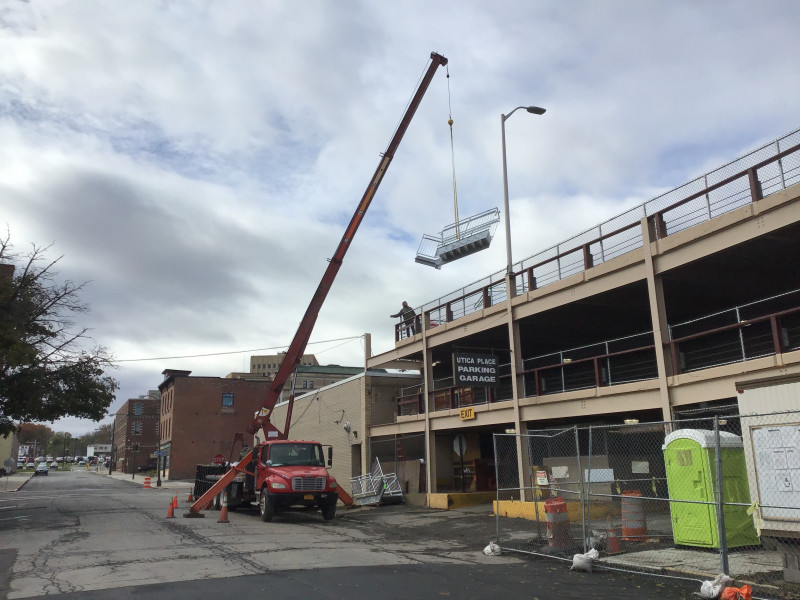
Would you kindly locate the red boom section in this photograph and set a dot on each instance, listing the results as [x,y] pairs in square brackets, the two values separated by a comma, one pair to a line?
[294,354]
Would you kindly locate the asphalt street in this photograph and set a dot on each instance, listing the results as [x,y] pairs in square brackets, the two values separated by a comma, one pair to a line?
[87,535]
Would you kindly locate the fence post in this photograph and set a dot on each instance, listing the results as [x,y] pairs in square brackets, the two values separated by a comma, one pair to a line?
[588,515]
[497,491]
[723,542]
[580,487]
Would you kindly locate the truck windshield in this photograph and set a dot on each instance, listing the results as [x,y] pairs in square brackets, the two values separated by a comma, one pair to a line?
[309,455]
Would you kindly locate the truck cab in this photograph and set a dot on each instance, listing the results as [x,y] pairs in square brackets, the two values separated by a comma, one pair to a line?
[293,474]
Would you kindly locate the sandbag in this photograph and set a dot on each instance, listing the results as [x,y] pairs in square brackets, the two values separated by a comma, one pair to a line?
[712,589]
[583,562]
[492,550]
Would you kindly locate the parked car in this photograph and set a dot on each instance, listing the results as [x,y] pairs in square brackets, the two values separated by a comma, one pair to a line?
[41,469]
[81,463]
[151,465]
[30,465]
[20,464]
[54,465]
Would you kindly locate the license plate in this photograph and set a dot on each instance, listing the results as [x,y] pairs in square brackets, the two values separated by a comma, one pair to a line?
[308,497]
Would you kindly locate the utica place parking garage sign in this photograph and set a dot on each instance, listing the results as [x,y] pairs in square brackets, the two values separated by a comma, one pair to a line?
[474,369]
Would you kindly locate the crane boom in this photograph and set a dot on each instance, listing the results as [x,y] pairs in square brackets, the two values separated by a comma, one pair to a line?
[294,354]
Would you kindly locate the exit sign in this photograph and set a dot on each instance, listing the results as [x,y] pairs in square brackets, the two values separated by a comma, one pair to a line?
[467,414]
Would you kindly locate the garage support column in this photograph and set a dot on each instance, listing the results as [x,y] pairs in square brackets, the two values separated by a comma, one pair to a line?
[516,368]
[658,316]
[430,438]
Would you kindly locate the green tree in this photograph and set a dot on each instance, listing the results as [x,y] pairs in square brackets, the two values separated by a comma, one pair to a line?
[47,370]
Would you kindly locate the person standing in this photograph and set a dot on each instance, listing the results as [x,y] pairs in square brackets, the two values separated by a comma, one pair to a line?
[409,316]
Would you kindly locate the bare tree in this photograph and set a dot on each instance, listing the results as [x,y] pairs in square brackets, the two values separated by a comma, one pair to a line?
[47,369]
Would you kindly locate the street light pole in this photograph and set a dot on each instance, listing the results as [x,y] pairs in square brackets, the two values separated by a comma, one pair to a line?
[503,118]
[158,462]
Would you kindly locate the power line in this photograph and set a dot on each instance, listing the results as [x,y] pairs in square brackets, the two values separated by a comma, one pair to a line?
[355,337]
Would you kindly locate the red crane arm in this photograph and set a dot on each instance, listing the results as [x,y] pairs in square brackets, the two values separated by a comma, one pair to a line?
[294,354]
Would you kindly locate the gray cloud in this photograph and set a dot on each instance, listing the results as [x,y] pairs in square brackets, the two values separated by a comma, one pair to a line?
[197,164]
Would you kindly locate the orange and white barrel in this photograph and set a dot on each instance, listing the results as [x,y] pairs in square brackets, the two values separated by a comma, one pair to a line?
[634,525]
[557,517]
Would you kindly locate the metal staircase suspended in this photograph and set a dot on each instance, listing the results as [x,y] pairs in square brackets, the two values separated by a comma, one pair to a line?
[459,239]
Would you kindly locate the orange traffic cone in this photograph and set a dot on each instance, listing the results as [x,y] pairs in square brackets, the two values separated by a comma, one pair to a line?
[146,485]
[190,498]
[223,511]
[175,502]
[613,542]
[171,511]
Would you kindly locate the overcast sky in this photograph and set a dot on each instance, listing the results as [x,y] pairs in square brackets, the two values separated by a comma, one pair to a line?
[197,162]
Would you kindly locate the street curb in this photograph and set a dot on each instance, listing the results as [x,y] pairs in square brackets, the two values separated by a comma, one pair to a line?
[21,485]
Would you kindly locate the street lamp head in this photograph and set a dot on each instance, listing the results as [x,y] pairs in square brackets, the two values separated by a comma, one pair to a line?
[536,110]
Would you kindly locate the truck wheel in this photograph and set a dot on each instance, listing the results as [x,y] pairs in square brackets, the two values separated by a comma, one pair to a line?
[329,509]
[266,506]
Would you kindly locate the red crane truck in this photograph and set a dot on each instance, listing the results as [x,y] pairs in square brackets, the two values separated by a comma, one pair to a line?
[281,473]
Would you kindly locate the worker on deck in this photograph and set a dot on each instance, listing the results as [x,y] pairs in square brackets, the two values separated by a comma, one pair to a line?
[409,318]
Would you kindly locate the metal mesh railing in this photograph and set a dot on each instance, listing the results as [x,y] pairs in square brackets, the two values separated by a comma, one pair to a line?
[566,258]
[648,497]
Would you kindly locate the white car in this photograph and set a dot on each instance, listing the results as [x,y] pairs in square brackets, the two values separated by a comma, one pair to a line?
[54,465]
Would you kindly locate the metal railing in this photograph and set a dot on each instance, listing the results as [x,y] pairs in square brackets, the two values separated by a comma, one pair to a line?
[749,178]
[738,334]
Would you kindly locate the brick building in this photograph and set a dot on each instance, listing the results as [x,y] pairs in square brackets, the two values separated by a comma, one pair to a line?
[136,432]
[200,417]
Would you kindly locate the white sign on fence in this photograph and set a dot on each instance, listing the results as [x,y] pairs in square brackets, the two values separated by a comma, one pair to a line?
[598,475]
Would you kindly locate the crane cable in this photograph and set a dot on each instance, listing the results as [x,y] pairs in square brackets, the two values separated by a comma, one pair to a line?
[452,153]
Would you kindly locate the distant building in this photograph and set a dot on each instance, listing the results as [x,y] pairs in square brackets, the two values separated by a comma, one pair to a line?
[9,451]
[201,417]
[310,374]
[267,365]
[136,432]
[311,377]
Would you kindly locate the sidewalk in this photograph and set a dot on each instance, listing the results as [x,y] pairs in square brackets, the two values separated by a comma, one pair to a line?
[138,479]
[14,481]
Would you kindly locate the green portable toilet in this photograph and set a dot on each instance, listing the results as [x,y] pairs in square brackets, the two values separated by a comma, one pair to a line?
[690,457]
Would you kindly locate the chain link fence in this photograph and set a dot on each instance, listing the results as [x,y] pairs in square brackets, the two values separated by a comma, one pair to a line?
[647,497]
